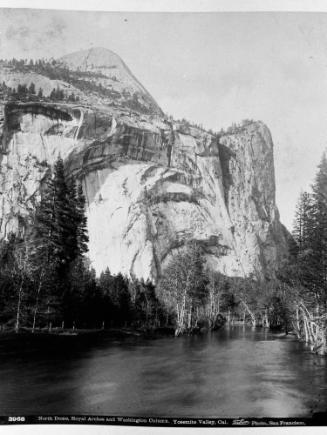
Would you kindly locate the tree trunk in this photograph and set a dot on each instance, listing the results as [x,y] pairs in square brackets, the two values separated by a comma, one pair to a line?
[19,303]
[306,334]
[211,307]
[37,302]
[189,322]
[253,319]
[48,316]
[266,322]
[180,315]
[298,328]
[197,316]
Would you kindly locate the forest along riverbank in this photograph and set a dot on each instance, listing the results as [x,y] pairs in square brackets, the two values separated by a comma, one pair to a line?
[71,332]
[48,283]
[234,371]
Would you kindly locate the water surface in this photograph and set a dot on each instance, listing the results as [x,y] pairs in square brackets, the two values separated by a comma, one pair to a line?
[228,373]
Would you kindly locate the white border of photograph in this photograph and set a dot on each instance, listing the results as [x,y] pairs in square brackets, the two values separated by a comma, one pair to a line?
[162,6]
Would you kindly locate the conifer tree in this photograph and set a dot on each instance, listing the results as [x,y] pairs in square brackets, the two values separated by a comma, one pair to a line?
[53,94]
[63,228]
[31,88]
[44,223]
[319,236]
[303,222]
[59,234]
[82,234]
[310,233]
[60,221]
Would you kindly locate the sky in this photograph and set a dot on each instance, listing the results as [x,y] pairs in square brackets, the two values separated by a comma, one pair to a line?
[211,68]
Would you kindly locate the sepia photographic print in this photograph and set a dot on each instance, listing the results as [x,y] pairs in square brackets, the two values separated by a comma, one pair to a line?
[163,218]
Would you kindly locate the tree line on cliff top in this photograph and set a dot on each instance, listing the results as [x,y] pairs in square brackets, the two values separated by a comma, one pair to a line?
[29,93]
[88,82]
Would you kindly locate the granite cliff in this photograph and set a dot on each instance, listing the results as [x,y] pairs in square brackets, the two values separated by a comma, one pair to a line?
[151,183]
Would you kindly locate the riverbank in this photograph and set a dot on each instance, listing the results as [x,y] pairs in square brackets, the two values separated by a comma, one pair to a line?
[59,335]
[115,333]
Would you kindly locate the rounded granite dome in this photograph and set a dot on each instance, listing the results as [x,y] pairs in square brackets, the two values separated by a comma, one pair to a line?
[97,57]
[105,64]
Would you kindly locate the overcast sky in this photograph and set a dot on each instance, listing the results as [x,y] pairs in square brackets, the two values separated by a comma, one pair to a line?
[211,68]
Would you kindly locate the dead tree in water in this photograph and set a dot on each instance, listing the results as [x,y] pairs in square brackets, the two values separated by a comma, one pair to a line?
[250,312]
[310,328]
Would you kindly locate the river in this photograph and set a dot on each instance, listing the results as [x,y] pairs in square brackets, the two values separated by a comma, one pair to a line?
[232,372]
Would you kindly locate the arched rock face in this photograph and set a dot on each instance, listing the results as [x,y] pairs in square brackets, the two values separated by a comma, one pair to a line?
[150,186]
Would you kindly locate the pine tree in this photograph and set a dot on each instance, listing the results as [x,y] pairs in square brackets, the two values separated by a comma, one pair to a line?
[310,233]
[60,210]
[105,281]
[303,222]
[22,90]
[53,95]
[60,232]
[72,98]
[61,224]
[82,234]
[31,88]
[319,233]
[64,234]
[44,223]
[308,274]
[43,256]
[72,221]
[82,301]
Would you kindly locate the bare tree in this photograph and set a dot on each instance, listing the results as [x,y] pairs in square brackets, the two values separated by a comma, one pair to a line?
[182,287]
[22,271]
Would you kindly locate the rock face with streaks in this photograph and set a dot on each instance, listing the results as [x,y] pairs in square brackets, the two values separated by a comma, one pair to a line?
[151,184]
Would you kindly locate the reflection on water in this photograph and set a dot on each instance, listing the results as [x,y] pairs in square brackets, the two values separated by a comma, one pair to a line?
[233,372]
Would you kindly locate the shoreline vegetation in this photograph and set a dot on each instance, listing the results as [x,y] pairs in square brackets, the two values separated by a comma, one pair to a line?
[47,286]
[114,332]
[124,332]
